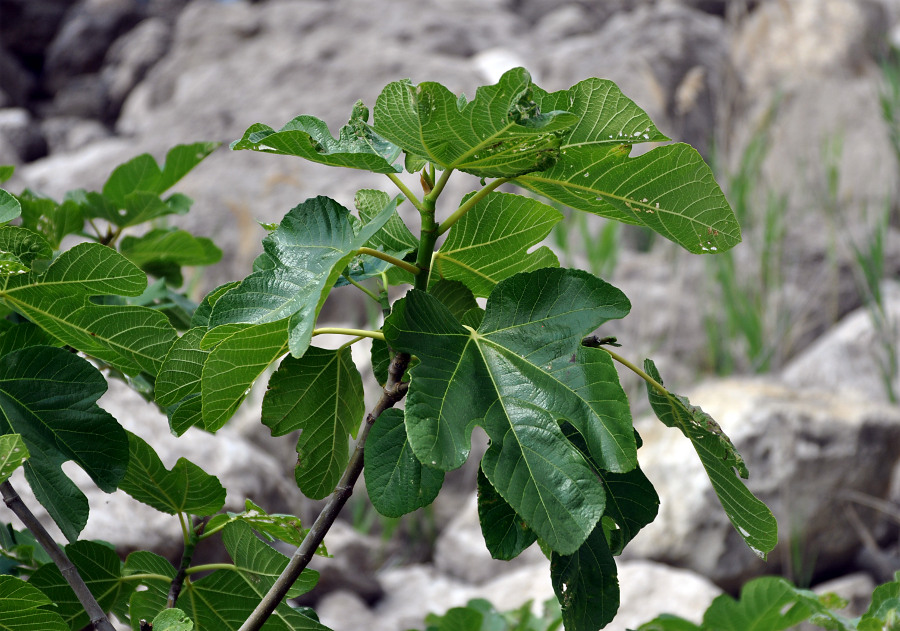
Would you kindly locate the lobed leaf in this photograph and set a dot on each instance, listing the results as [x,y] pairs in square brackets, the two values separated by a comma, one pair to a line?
[225,598]
[162,252]
[586,584]
[311,247]
[143,175]
[500,133]
[185,489]
[396,482]
[356,146]
[49,397]
[523,369]
[234,364]
[490,242]
[130,338]
[750,517]
[669,189]
[506,535]
[23,607]
[274,526]
[771,603]
[53,221]
[99,566]
[320,394]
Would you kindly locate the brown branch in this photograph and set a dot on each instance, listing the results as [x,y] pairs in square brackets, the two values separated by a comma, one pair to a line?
[186,558]
[394,391]
[98,617]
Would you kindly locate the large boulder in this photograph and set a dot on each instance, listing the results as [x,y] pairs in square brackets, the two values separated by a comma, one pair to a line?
[808,452]
[858,355]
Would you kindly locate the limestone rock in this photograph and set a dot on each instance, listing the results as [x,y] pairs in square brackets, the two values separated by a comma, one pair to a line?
[805,450]
[21,135]
[671,60]
[460,551]
[850,356]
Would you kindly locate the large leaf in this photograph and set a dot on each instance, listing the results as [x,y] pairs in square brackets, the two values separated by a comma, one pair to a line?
[25,608]
[143,175]
[506,535]
[13,454]
[101,570]
[501,133]
[49,397]
[750,517]
[521,371]
[130,338]
[311,247]
[178,385]
[356,146]
[185,489]
[234,364]
[320,394]
[885,607]
[490,242]
[24,245]
[631,500]
[586,584]
[222,600]
[669,189]
[397,483]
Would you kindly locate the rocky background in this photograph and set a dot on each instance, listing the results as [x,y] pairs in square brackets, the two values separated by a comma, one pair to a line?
[791,101]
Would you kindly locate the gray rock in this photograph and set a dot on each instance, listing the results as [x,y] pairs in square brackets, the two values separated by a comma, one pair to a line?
[28,26]
[460,551]
[649,589]
[782,43]
[22,135]
[355,557]
[852,355]
[16,83]
[65,134]
[131,56]
[806,450]
[86,34]
[671,60]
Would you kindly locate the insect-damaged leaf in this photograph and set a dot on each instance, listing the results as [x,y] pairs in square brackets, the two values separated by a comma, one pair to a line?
[356,146]
[750,517]
[500,133]
[669,189]
[520,371]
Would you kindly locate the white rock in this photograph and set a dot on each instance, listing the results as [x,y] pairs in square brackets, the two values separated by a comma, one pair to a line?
[803,449]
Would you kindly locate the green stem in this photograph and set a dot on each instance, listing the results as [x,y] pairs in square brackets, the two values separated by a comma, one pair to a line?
[186,557]
[361,288]
[405,190]
[336,330]
[349,343]
[146,577]
[640,373]
[467,206]
[427,238]
[439,186]
[409,267]
[209,567]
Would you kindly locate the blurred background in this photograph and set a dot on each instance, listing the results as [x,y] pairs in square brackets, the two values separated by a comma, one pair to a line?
[792,335]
